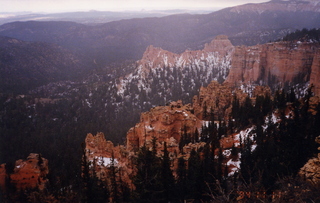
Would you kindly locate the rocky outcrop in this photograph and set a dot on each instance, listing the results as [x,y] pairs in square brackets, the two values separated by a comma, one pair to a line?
[102,154]
[165,123]
[217,52]
[216,99]
[311,170]
[272,63]
[30,173]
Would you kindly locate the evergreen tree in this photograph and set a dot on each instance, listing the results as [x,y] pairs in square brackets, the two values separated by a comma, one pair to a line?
[166,176]
[113,180]
[195,179]
[146,181]
[181,179]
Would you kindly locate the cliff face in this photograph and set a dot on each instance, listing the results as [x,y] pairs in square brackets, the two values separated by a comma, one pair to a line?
[30,173]
[315,73]
[274,62]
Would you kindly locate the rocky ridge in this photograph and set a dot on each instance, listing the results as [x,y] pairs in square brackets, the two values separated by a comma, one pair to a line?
[212,62]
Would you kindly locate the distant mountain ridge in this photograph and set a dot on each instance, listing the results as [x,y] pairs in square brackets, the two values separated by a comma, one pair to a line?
[248,24]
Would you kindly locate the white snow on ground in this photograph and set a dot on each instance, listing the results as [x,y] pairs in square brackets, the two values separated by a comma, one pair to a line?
[210,61]
[226,152]
[205,123]
[105,161]
[234,163]
[185,114]
[244,135]
[148,127]
[273,119]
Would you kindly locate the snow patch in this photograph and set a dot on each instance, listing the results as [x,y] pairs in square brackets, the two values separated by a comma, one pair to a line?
[105,161]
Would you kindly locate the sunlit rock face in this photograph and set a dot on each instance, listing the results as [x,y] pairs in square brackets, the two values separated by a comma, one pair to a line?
[273,63]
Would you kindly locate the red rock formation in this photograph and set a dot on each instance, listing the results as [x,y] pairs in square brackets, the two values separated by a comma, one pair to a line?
[102,154]
[219,49]
[315,73]
[275,62]
[311,170]
[214,98]
[30,173]
[163,123]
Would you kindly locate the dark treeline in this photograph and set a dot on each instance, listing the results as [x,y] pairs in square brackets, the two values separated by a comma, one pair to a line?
[304,35]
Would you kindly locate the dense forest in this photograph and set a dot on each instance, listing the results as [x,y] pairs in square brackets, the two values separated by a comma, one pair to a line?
[268,170]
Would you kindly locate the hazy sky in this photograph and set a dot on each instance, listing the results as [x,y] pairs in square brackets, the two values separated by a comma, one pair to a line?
[113,5]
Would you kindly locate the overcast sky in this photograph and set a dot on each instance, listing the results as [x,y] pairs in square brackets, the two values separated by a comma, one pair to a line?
[113,5]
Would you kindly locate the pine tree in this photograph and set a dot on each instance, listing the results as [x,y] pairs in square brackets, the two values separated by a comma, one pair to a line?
[181,179]
[195,177]
[146,180]
[166,176]
[113,180]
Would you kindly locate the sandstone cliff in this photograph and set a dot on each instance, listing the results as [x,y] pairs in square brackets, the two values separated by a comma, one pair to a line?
[315,73]
[274,63]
